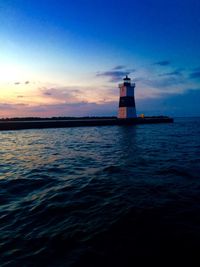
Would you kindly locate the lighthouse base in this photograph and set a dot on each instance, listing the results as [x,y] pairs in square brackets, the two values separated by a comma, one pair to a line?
[127,113]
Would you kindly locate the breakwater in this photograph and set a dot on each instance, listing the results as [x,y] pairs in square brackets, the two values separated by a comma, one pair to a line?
[40,124]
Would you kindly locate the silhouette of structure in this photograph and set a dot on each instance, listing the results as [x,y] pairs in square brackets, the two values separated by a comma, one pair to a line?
[127,100]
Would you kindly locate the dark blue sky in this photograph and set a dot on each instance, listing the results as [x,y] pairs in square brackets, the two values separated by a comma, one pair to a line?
[79,50]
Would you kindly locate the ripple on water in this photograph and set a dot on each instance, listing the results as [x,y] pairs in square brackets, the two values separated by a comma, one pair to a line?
[77,197]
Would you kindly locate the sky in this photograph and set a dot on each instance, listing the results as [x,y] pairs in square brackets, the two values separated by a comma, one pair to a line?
[66,58]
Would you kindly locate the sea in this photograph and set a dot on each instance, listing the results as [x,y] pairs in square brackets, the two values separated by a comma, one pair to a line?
[101,196]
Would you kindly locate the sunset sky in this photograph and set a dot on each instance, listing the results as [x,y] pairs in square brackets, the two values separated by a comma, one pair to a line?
[66,58]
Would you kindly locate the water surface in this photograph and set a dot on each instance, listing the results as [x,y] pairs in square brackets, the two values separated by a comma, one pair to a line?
[100,196]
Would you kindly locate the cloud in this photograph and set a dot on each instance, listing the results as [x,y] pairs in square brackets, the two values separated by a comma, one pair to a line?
[11,107]
[116,74]
[163,82]
[5,106]
[47,93]
[65,93]
[173,73]
[195,75]
[162,63]
[79,109]
[18,83]
[119,67]
[76,94]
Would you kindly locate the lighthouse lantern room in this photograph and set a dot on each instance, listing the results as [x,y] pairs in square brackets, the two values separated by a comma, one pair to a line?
[127,100]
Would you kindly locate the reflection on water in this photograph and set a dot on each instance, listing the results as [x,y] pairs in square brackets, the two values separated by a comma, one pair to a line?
[99,196]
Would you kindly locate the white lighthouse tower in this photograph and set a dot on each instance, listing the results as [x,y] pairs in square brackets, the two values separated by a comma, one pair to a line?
[127,100]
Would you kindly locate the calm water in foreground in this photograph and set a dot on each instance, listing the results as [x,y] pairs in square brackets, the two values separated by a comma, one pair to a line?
[100,196]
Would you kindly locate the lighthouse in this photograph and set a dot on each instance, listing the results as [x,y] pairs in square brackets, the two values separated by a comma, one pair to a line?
[127,100]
